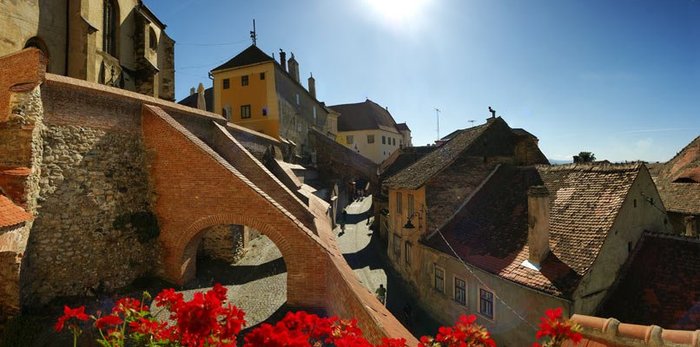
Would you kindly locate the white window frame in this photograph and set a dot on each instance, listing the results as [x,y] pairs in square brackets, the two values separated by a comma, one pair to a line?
[493,303]
[435,277]
[454,290]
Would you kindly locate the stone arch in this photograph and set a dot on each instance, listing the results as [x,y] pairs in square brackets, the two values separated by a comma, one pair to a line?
[185,251]
[152,39]
[110,27]
[305,279]
[38,42]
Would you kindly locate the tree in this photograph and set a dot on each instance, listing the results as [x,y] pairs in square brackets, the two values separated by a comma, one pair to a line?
[584,157]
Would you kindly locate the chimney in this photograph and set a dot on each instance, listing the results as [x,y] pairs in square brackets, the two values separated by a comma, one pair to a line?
[537,224]
[312,86]
[293,68]
[192,91]
[201,102]
[691,227]
[283,59]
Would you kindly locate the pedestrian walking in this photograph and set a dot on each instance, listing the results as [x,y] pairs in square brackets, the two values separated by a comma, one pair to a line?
[381,294]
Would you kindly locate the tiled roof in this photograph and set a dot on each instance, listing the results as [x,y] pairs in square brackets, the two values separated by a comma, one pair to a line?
[11,214]
[490,230]
[402,158]
[660,284]
[678,180]
[610,332]
[402,126]
[191,100]
[250,55]
[417,174]
[363,116]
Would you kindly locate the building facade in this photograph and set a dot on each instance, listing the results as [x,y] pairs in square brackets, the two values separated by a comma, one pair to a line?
[476,227]
[120,43]
[257,92]
[370,130]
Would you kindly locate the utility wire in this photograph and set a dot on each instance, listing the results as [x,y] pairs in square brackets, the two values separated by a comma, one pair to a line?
[484,284]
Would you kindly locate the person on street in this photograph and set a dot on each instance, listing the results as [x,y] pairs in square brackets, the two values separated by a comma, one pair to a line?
[381,294]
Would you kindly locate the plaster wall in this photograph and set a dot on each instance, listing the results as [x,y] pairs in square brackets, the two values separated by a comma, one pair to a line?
[378,150]
[642,210]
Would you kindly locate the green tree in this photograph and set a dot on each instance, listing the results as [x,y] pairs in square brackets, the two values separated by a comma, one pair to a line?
[584,157]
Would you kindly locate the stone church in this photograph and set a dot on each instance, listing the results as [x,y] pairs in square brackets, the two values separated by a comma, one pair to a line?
[119,43]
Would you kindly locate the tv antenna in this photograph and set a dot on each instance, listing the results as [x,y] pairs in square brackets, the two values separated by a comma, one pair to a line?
[437,116]
[254,35]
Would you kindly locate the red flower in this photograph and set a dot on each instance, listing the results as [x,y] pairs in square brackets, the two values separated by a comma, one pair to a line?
[105,321]
[68,313]
[128,305]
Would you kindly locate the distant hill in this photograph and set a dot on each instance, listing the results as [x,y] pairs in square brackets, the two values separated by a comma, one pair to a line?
[559,162]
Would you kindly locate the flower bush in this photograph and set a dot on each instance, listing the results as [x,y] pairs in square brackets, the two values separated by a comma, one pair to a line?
[209,320]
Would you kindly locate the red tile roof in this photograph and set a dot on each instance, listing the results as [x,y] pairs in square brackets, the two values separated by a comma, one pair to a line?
[678,180]
[601,332]
[490,230]
[11,214]
[660,284]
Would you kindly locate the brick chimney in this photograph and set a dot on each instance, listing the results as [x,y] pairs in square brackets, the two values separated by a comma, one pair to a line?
[537,224]
[312,86]
[293,67]
[691,226]
[283,59]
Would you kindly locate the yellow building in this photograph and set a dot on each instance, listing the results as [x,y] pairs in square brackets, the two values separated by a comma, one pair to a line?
[257,92]
[370,130]
[120,43]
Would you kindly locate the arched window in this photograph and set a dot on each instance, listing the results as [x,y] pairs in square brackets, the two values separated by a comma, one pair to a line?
[109,27]
[152,39]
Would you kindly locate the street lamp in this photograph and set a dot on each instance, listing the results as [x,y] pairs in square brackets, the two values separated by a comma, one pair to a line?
[409,223]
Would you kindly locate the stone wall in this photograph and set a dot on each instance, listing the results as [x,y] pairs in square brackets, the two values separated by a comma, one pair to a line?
[224,242]
[94,211]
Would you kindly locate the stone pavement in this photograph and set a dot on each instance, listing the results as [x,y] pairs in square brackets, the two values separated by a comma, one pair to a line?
[366,255]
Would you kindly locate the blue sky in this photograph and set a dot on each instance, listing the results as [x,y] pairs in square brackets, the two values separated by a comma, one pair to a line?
[619,78]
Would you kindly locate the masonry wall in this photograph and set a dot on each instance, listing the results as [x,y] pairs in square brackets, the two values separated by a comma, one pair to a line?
[224,242]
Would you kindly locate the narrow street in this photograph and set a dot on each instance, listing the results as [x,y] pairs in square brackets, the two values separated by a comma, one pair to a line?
[364,252]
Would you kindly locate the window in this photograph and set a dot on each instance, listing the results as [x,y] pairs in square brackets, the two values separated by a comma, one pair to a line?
[397,246]
[407,253]
[264,111]
[439,284]
[109,27]
[152,39]
[244,80]
[410,204]
[486,303]
[393,141]
[348,139]
[383,140]
[227,83]
[399,202]
[262,76]
[460,291]
[298,101]
[245,111]
[370,138]
[314,112]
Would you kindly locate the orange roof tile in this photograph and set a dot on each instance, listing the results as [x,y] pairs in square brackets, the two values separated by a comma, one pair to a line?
[11,214]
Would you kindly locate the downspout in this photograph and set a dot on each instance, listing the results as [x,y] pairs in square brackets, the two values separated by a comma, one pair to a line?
[67,37]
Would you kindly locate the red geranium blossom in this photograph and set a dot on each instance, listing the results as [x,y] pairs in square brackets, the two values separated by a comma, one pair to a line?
[68,313]
[106,321]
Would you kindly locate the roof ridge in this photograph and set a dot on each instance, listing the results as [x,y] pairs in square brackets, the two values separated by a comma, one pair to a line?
[600,167]
[692,142]
[659,234]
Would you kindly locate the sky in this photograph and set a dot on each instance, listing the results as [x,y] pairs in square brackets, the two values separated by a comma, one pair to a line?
[619,78]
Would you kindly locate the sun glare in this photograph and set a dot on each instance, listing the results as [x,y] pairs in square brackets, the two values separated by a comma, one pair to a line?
[397,12]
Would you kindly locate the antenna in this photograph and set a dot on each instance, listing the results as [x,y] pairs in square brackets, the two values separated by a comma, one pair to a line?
[254,35]
[471,121]
[437,116]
